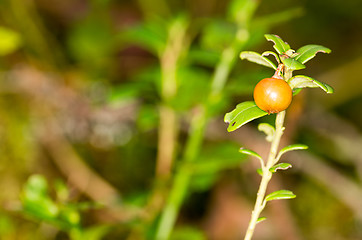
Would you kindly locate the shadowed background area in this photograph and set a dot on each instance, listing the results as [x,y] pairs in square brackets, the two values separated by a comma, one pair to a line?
[111,120]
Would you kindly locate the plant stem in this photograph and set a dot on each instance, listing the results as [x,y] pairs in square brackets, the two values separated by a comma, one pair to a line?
[259,203]
[198,124]
[168,129]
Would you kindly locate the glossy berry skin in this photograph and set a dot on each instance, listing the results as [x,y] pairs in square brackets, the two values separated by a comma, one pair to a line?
[273,95]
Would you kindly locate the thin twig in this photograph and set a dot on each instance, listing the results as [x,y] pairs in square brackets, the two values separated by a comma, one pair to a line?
[260,201]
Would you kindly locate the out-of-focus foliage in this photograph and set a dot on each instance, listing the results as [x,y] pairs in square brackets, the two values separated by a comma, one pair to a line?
[85,92]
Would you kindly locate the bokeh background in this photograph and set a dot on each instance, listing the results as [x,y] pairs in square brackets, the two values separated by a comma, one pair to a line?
[111,120]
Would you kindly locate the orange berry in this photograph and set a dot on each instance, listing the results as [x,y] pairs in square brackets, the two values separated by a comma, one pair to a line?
[273,95]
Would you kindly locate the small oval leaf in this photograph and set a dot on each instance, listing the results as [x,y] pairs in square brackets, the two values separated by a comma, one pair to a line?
[301,81]
[292,64]
[250,153]
[259,171]
[242,114]
[260,219]
[296,91]
[309,51]
[279,45]
[267,53]
[281,194]
[291,148]
[268,130]
[257,58]
[280,166]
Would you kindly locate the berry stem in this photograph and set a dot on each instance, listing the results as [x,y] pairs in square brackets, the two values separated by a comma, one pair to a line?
[279,129]
[260,203]
[279,71]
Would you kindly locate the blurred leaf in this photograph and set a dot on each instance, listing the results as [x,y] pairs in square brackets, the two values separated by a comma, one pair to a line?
[241,11]
[70,216]
[216,158]
[36,201]
[192,88]
[204,57]
[61,190]
[309,51]
[268,130]
[274,19]
[250,153]
[259,171]
[147,118]
[242,114]
[36,187]
[257,58]
[95,233]
[7,226]
[279,45]
[10,41]
[263,24]
[43,208]
[151,35]
[218,35]
[281,194]
[261,219]
[125,92]
[91,42]
[280,166]
[189,233]
[37,204]
[151,8]
[204,181]
[301,81]
[292,64]
[212,160]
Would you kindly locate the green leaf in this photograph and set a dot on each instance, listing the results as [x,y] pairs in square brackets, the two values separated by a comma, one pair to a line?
[268,130]
[292,148]
[281,194]
[187,232]
[301,81]
[296,91]
[280,166]
[240,11]
[276,18]
[218,157]
[91,42]
[267,53]
[35,199]
[292,64]
[95,233]
[150,35]
[309,51]
[250,153]
[259,171]
[10,41]
[217,35]
[204,57]
[257,58]
[36,187]
[260,219]
[279,45]
[242,114]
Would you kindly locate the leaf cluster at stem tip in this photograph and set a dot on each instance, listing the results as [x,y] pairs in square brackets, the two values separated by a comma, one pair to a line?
[292,60]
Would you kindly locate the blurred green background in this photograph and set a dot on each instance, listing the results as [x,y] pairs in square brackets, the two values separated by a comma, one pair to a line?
[111,120]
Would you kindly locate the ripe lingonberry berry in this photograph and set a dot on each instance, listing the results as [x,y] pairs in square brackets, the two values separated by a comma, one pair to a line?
[273,95]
